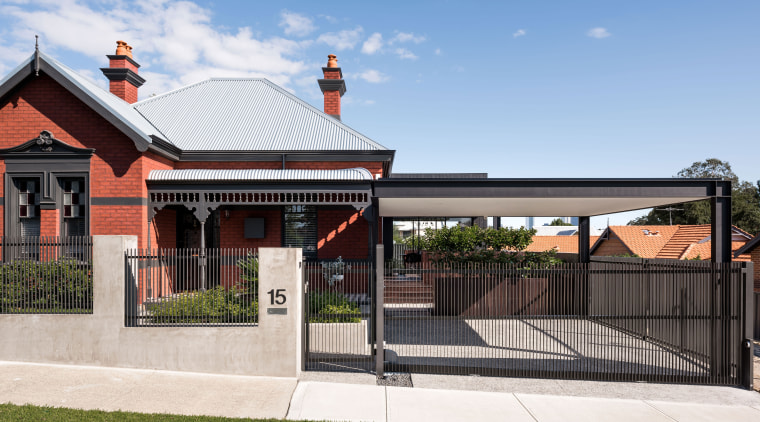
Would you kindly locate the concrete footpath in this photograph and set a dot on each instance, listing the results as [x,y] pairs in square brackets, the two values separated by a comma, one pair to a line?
[331,396]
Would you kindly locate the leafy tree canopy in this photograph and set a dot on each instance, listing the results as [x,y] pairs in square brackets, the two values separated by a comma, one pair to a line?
[745,200]
[558,222]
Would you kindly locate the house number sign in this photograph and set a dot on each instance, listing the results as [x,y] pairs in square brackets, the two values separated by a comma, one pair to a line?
[277,297]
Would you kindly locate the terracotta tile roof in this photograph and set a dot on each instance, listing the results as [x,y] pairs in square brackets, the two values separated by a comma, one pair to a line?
[704,251]
[673,242]
[685,239]
[644,241]
[563,244]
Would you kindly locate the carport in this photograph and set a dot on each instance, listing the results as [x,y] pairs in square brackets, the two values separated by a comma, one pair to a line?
[707,301]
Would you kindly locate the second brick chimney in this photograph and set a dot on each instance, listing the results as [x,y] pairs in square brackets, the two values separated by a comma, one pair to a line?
[122,73]
[333,86]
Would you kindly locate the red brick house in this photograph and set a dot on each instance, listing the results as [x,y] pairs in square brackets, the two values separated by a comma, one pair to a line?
[220,163]
[751,248]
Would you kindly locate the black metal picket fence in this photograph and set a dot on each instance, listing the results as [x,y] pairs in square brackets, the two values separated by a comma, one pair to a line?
[46,275]
[191,287]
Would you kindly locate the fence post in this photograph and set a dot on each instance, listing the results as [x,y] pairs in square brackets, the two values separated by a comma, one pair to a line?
[379,312]
[748,315]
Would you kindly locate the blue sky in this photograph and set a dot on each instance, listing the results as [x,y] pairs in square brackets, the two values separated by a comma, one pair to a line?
[515,89]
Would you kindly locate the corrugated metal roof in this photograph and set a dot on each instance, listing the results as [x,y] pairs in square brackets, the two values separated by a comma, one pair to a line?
[247,115]
[211,175]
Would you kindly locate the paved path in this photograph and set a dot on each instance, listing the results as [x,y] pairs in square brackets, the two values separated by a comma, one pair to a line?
[336,396]
[333,401]
[147,391]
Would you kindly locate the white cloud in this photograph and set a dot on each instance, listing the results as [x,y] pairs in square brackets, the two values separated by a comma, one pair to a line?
[598,33]
[407,37]
[328,18]
[373,76]
[403,53]
[168,36]
[438,52]
[296,24]
[373,43]
[519,33]
[343,40]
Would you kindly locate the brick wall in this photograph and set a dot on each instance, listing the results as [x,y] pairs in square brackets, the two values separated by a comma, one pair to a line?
[343,233]
[611,247]
[332,103]
[231,234]
[49,223]
[164,229]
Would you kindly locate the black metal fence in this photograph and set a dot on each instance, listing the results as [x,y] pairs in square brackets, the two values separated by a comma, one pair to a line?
[191,287]
[46,275]
[338,315]
[648,320]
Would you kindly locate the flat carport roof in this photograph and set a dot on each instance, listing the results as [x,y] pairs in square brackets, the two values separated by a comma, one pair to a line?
[457,197]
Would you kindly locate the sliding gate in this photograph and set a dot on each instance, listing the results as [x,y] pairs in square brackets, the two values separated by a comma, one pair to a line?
[613,319]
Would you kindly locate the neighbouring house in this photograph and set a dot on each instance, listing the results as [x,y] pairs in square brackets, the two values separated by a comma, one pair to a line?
[667,242]
[227,162]
[560,243]
[751,248]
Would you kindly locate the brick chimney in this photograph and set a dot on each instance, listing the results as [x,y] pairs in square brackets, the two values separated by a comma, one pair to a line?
[333,86]
[122,73]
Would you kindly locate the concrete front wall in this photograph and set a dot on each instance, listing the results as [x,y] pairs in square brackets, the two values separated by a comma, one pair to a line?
[273,348]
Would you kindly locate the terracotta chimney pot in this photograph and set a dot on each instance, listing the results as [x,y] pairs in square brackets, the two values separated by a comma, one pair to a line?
[129,51]
[121,48]
[332,60]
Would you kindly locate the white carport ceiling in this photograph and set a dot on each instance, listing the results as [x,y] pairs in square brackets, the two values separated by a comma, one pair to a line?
[517,207]
[536,197]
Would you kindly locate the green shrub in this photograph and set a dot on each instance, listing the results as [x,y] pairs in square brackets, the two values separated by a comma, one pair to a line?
[460,245]
[61,286]
[249,272]
[217,305]
[326,306]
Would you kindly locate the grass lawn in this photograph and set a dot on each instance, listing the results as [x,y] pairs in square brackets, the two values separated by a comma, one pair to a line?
[10,412]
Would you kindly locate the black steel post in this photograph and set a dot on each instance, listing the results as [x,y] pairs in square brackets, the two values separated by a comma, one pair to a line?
[720,207]
[584,246]
[370,213]
[388,238]
[584,258]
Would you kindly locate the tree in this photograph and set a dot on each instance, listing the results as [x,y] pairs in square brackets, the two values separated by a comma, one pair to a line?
[745,200]
[710,168]
[558,222]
